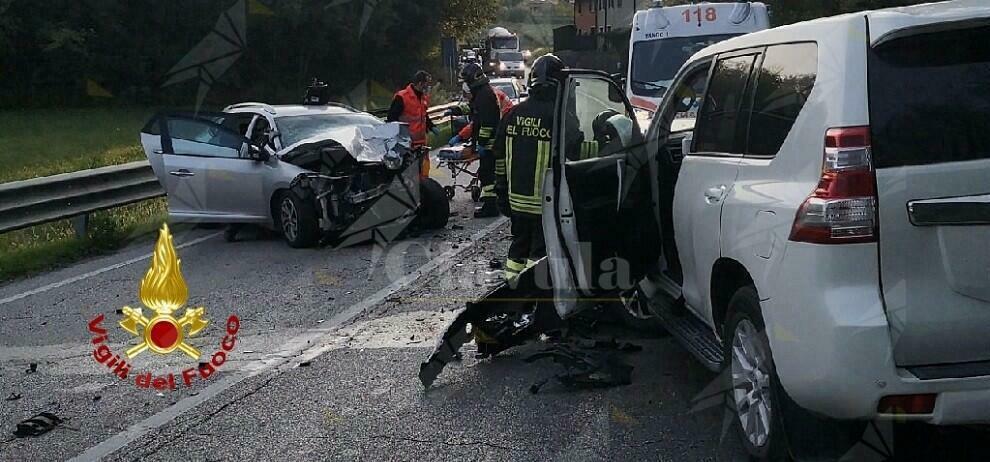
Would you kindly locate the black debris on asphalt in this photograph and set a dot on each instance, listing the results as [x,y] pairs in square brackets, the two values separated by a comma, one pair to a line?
[587,364]
[37,425]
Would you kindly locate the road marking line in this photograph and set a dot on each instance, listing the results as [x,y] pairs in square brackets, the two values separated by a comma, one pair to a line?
[74,279]
[308,345]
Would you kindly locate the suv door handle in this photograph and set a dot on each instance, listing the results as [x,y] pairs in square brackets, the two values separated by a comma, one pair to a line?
[181,173]
[714,195]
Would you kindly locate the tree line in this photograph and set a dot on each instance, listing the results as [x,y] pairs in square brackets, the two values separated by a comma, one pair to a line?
[60,53]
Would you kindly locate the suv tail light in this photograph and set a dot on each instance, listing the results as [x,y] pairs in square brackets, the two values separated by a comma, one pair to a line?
[842,209]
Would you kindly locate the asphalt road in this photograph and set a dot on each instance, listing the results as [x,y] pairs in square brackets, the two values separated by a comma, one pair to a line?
[325,364]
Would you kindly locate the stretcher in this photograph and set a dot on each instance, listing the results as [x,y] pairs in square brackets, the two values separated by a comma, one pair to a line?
[458,160]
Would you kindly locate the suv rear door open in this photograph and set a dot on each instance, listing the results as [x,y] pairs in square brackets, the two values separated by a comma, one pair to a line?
[929,118]
[598,217]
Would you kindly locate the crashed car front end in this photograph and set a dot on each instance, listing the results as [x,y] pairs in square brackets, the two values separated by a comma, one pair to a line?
[363,181]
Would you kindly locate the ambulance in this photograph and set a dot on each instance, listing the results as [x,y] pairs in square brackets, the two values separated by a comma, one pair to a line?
[664,37]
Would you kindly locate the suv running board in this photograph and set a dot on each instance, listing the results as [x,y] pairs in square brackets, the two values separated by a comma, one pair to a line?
[693,334]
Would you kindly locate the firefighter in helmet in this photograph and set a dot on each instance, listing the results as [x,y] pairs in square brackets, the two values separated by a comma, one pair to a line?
[485,116]
[522,156]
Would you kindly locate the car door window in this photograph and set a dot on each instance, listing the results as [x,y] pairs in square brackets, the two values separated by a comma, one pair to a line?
[203,138]
[722,120]
[785,80]
[599,123]
[260,132]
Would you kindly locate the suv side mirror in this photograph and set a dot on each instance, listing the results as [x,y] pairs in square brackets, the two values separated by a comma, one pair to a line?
[686,144]
[619,79]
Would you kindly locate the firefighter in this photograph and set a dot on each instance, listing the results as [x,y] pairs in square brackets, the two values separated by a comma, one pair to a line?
[485,115]
[522,155]
[410,106]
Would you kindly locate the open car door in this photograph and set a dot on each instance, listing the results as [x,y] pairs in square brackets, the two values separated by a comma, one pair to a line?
[600,222]
[206,167]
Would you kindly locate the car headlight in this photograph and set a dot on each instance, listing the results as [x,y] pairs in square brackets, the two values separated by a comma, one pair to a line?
[501,66]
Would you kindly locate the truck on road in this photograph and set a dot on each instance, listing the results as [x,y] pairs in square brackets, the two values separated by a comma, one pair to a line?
[498,40]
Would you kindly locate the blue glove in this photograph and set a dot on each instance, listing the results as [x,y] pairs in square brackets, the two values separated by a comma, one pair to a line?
[435,131]
[454,141]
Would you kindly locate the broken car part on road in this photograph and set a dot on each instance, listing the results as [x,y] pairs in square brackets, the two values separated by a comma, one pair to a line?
[508,315]
[512,314]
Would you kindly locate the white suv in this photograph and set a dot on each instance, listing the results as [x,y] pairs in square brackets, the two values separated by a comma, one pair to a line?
[821,233]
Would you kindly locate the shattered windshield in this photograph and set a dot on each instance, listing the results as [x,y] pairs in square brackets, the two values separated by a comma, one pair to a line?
[297,128]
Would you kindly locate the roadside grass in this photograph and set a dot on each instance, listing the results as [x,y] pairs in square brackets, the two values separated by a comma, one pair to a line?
[42,142]
[38,248]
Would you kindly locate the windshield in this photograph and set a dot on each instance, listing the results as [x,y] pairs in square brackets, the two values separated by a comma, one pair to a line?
[510,56]
[507,88]
[655,62]
[297,128]
[505,43]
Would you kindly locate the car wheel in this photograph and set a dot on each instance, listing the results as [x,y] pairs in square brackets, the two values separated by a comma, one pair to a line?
[434,208]
[751,379]
[297,220]
[762,406]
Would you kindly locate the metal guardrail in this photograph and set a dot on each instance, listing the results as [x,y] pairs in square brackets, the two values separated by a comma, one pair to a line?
[76,195]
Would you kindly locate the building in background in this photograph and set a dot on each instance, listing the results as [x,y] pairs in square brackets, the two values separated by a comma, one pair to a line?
[593,17]
[585,17]
[617,15]
[600,32]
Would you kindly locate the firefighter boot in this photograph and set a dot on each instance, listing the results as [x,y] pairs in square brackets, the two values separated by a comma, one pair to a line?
[488,208]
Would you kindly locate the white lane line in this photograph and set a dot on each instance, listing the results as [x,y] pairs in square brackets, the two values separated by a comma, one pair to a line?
[303,347]
[74,279]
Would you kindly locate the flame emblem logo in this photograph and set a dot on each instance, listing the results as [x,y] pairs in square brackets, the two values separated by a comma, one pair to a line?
[164,292]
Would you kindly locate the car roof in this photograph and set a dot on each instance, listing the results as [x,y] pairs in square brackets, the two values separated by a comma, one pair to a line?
[283,110]
[891,18]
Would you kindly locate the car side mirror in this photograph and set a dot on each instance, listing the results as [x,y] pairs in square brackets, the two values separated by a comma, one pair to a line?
[258,153]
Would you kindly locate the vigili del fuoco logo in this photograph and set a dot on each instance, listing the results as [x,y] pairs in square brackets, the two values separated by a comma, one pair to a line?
[163,293]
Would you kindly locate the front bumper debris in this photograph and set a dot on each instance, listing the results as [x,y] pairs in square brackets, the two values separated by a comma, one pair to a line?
[509,315]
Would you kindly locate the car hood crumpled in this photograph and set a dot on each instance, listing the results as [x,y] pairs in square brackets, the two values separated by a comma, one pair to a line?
[366,143]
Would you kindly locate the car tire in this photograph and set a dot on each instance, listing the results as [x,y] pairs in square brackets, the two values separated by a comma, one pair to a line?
[296,219]
[434,208]
[806,436]
[751,380]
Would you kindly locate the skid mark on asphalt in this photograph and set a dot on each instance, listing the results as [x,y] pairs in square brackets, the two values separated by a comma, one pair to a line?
[303,347]
[84,276]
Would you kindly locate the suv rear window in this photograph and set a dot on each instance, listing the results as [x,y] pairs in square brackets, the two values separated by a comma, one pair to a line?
[930,98]
[784,83]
